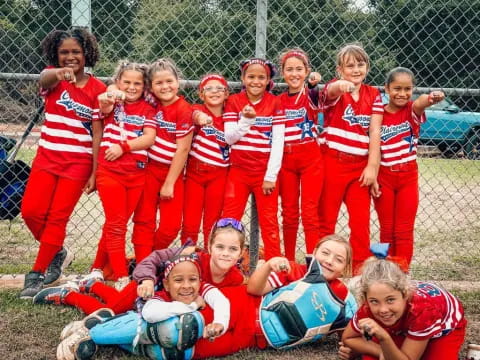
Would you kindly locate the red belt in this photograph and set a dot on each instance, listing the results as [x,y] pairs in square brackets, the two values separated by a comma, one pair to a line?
[300,147]
[346,157]
[200,165]
[408,166]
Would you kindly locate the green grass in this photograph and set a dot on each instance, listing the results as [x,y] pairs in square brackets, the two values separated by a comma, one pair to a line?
[455,170]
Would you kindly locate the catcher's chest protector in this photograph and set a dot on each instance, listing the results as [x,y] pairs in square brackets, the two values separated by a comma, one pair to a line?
[303,311]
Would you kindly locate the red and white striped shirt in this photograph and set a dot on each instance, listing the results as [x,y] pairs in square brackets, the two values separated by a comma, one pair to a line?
[301,118]
[346,121]
[399,136]
[432,312]
[208,144]
[65,145]
[252,151]
[126,123]
[174,122]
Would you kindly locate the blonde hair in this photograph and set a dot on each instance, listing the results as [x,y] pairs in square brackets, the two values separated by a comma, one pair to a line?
[347,272]
[354,50]
[125,65]
[164,64]
[385,272]
[217,230]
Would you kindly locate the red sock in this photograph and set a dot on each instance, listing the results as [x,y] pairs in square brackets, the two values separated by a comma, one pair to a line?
[45,255]
[86,303]
[141,252]
[118,263]
[105,292]
[101,259]
[125,300]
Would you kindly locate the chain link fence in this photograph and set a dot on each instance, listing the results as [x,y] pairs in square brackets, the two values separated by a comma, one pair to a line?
[439,41]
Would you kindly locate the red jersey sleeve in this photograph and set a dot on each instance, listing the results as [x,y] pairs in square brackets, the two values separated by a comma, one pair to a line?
[184,120]
[281,278]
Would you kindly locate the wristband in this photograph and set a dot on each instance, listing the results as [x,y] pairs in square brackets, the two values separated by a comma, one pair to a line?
[125,147]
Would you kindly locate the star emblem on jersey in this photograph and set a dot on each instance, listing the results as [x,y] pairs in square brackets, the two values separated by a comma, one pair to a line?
[410,140]
[268,134]
[88,125]
[306,126]
[225,151]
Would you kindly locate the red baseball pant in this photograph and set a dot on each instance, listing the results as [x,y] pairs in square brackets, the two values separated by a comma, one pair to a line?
[240,184]
[118,301]
[47,204]
[397,209]
[119,194]
[145,215]
[341,184]
[301,178]
[204,192]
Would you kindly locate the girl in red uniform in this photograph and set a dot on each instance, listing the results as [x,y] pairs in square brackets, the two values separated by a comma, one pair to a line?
[66,158]
[208,161]
[129,130]
[406,320]
[352,120]
[254,127]
[167,157]
[396,194]
[301,175]
[219,268]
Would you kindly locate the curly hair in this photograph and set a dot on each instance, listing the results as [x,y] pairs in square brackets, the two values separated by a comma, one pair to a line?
[85,39]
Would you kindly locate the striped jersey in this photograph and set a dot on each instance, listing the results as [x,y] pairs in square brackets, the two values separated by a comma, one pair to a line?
[252,151]
[65,145]
[346,121]
[399,136]
[301,118]
[432,312]
[126,122]
[208,144]
[174,122]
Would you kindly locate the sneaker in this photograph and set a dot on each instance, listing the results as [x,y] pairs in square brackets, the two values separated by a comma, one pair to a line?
[86,282]
[88,322]
[54,295]
[33,284]
[79,345]
[121,283]
[61,260]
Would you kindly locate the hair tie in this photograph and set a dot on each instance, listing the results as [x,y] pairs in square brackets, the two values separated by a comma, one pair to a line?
[380,250]
[209,77]
[269,67]
[297,54]
[193,258]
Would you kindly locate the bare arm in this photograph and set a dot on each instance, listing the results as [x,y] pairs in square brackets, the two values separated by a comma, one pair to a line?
[49,78]
[258,283]
[177,165]
[97,133]
[338,88]
[358,344]
[369,174]
[424,101]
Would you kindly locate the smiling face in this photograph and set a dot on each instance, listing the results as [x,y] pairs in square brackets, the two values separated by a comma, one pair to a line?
[165,87]
[294,72]
[400,91]
[183,282]
[214,93]
[70,54]
[225,250]
[353,70]
[131,82]
[255,79]
[386,304]
[332,256]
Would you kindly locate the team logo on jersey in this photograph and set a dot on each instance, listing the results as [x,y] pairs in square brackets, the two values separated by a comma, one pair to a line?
[295,114]
[349,115]
[429,289]
[210,130]
[120,116]
[169,126]
[390,131]
[268,134]
[88,125]
[79,109]
[410,140]
[263,121]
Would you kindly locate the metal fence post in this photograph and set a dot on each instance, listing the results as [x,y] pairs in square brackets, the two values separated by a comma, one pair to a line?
[260,51]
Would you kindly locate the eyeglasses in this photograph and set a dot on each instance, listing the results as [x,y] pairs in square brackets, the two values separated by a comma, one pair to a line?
[236,224]
[214,89]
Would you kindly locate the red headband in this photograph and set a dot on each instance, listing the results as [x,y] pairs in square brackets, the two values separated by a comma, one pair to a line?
[180,259]
[297,54]
[265,64]
[209,77]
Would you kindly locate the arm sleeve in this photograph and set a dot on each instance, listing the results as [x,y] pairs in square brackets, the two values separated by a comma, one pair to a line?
[220,305]
[157,310]
[153,264]
[234,131]
[276,153]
